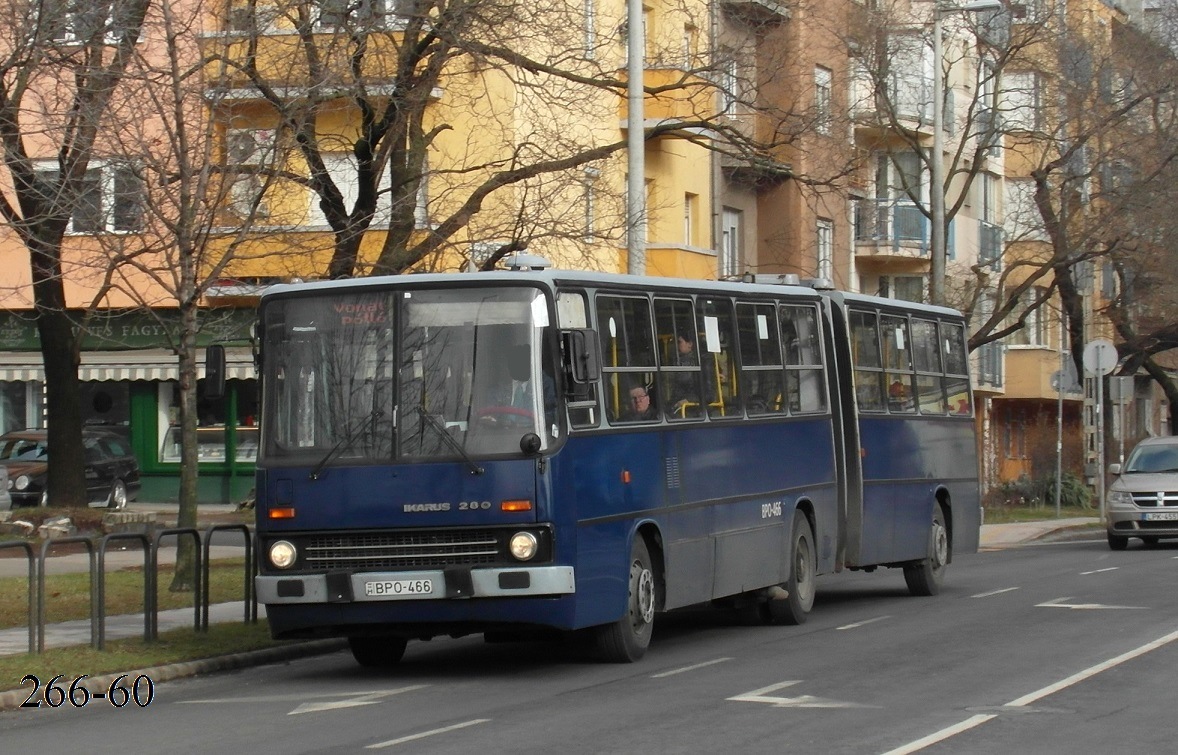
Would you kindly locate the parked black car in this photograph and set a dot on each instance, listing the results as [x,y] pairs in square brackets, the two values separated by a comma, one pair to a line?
[112,472]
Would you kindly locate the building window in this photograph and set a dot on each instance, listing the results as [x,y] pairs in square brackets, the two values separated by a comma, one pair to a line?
[1022,99]
[730,242]
[822,100]
[690,212]
[351,13]
[903,287]
[590,29]
[1021,219]
[727,83]
[110,199]
[248,153]
[1034,330]
[589,183]
[825,233]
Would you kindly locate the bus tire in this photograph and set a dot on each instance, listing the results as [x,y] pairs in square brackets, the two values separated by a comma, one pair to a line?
[795,607]
[377,652]
[925,576]
[626,640]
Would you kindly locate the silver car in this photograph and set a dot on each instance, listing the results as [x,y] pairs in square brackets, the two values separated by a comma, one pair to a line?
[1143,500]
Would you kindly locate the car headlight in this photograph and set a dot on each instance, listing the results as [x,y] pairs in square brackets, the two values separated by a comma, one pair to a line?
[1120,498]
[283,554]
[523,546]
[22,482]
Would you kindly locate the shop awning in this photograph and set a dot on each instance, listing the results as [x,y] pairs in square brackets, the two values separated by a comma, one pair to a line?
[125,365]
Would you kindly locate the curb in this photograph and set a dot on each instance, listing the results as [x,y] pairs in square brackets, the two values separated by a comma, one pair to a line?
[13,699]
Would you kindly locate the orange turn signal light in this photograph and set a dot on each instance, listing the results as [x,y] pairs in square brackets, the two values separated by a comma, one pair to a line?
[625,476]
[282,513]
[521,505]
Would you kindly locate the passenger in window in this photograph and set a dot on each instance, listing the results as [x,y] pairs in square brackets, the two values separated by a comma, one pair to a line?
[684,386]
[641,407]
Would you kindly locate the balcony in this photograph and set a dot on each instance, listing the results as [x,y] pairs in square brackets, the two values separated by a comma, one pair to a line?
[893,228]
[757,172]
[908,101]
[756,13]
[682,97]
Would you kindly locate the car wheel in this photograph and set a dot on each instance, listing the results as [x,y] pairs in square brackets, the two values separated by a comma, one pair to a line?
[1117,543]
[1150,541]
[118,495]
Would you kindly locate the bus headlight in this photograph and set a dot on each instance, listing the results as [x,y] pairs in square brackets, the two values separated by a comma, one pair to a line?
[523,546]
[283,554]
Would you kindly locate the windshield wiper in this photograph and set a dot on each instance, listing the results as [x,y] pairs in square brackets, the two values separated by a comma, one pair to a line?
[345,443]
[432,421]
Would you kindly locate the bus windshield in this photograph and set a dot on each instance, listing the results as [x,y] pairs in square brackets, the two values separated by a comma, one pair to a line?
[370,375]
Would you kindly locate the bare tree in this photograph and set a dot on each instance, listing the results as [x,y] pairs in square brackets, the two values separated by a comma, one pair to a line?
[60,67]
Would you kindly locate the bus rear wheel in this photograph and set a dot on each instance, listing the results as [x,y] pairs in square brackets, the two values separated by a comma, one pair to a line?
[626,640]
[795,607]
[925,576]
[377,652]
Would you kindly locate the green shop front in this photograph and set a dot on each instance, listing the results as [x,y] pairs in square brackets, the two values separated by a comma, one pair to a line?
[130,384]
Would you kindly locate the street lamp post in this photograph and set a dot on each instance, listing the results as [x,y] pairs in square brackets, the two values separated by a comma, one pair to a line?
[937,164]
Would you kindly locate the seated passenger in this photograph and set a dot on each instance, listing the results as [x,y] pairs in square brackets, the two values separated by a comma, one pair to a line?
[641,406]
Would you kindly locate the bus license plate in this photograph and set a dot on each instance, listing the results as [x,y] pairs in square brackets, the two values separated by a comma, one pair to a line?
[1161,516]
[395,588]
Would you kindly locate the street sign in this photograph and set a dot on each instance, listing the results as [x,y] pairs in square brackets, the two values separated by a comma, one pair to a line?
[1100,357]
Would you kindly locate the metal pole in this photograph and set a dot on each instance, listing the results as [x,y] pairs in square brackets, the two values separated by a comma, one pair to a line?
[937,169]
[1059,425]
[1100,441]
[635,141]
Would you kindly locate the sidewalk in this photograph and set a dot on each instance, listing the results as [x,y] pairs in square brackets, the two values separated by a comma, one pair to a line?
[999,536]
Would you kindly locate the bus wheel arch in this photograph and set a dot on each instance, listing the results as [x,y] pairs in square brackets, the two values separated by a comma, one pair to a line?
[924,577]
[626,640]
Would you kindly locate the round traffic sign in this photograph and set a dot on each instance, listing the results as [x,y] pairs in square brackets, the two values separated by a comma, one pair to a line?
[1100,356]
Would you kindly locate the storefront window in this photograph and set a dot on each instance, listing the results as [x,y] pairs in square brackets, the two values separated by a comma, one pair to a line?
[20,405]
[215,416]
[106,404]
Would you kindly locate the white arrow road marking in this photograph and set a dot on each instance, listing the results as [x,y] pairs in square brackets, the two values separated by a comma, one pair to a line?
[350,699]
[802,701]
[1059,603]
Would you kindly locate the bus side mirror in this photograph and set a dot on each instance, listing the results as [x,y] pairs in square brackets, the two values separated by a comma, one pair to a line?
[214,371]
[582,361]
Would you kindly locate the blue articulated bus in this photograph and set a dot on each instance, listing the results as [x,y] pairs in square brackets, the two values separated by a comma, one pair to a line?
[536,449]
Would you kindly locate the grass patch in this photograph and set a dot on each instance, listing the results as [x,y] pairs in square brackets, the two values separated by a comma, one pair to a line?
[67,596]
[1013,513]
[133,653]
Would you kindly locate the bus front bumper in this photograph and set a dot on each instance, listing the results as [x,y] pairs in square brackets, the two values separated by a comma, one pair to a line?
[441,584]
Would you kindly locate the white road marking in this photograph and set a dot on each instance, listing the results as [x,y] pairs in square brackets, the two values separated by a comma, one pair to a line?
[801,701]
[672,672]
[994,592]
[1098,571]
[1035,696]
[1059,603]
[941,735]
[858,624]
[430,733]
[356,701]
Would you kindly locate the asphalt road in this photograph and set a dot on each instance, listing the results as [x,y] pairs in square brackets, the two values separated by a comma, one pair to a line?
[1058,647]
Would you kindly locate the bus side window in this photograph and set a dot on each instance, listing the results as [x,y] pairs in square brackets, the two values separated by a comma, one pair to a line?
[930,396]
[627,349]
[721,386]
[760,358]
[956,369]
[897,360]
[679,360]
[869,388]
[803,359]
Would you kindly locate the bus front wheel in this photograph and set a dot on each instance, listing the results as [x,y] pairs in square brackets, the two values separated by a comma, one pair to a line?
[377,652]
[626,640]
[925,576]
